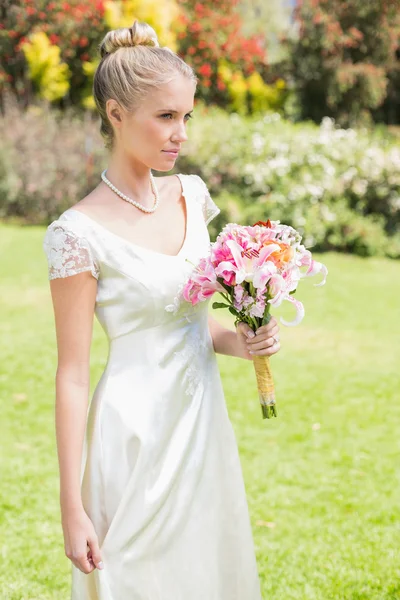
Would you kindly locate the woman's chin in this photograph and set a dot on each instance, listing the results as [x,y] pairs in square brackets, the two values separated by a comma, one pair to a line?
[163,167]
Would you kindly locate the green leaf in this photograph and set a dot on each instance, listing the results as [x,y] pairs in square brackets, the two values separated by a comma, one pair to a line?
[267,315]
[233,310]
[220,305]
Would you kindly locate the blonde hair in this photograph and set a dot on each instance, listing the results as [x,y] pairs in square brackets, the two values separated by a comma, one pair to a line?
[132,62]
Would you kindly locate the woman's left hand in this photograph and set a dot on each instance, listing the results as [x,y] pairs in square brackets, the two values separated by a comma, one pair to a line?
[264,342]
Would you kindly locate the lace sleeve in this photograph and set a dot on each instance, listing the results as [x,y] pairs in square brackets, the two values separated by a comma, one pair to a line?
[67,252]
[210,209]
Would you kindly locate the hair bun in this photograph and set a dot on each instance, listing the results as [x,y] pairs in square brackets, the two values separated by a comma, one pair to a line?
[140,34]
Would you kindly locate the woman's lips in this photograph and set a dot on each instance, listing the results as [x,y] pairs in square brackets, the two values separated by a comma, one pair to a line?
[173,153]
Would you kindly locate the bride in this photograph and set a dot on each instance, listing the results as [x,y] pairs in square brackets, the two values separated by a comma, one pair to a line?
[152,497]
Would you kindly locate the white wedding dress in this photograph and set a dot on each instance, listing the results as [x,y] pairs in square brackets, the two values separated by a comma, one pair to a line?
[161,476]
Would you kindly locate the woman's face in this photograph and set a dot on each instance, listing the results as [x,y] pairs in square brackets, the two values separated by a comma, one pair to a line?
[158,125]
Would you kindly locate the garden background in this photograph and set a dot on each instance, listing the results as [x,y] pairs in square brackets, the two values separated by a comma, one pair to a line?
[296,118]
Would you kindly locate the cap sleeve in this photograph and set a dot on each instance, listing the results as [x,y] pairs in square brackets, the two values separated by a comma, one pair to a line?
[210,209]
[67,251]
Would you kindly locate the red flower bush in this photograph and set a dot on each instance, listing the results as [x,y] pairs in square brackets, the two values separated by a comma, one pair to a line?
[211,31]
[75,26]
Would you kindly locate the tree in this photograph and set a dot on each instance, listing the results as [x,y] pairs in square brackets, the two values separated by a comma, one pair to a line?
[343,55]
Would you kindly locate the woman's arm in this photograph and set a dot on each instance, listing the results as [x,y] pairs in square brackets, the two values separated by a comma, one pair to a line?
[73,302]
[241,342]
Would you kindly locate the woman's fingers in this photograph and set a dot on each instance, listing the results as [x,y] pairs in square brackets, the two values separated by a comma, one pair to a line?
[81,542]
[95,552]
[245,330]
[266,341]
[81,560]
[263,344]
[263,341]
[268,351]
[266,329]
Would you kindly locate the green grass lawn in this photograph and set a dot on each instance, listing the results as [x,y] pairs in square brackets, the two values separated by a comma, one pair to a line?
[322,480]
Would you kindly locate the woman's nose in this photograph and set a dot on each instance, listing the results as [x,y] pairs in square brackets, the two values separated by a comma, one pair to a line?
[181,135]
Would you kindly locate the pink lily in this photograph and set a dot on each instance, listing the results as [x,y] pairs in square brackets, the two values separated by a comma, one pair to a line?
[203,283]
[263,274]
[243,266]
[314,267]
[299,312]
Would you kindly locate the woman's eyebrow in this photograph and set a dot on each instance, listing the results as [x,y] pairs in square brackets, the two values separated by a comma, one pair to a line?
[171,110]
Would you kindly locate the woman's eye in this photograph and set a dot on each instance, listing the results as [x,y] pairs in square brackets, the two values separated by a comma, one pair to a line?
[187,117]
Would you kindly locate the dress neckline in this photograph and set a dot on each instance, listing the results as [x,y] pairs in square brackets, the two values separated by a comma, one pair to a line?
[138,246]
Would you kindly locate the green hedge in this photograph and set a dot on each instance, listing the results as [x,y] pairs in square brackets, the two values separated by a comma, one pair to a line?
[339,188]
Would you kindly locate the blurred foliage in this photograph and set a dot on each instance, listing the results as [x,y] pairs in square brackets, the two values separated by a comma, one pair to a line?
[160,15]
[74,29]
[339,187]
[55,171]
[336,58]
[72,26]
[48,73]
[211,55]
[251,95]
[269,18]
[345,59]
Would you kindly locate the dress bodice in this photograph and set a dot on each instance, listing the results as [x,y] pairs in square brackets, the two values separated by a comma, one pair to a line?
[138,288]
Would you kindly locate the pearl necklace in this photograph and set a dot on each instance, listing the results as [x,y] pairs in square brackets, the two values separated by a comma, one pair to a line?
[130,200]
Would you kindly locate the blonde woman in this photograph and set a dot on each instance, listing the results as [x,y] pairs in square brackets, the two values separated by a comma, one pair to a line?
[152,496]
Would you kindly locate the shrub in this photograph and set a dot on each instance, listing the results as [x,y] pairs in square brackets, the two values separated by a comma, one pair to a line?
[344,56]
[340,188]
[73,26]
[327,182]
[48,73]
[55,33]
[210,38]
[251,95]
[55,171]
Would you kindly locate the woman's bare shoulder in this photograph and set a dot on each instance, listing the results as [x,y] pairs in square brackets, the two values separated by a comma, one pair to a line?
[94,198]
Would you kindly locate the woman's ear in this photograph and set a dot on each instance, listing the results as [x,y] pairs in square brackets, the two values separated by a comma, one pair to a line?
[114,113]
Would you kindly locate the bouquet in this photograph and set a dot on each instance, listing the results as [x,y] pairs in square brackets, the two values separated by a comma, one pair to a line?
[255,268]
